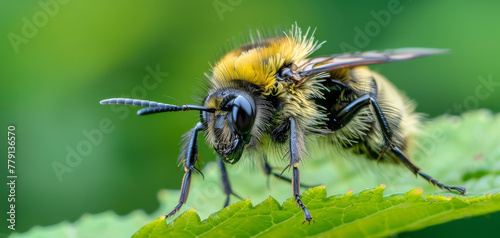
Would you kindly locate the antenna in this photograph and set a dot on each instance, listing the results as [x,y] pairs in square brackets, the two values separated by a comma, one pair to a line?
[154,107]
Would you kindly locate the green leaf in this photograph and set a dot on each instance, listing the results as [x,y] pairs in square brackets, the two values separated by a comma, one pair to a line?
[368,214]
[458,151]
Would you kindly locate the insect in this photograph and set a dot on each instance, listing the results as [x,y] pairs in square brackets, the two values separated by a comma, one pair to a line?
[267,95]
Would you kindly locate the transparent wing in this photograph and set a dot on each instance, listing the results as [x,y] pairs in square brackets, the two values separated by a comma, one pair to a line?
[349,60]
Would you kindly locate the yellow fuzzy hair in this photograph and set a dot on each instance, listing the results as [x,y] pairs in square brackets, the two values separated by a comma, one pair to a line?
[259,65]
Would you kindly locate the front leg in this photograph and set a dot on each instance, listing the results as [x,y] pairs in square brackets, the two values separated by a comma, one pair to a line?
[297,148]
[189,162]
[226,185]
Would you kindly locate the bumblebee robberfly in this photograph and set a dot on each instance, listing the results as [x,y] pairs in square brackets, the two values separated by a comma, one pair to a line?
[267,94]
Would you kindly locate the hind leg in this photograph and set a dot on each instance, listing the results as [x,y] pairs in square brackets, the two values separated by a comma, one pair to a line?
[346,114]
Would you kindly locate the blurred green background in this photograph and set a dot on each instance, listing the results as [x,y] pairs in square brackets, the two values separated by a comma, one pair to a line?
[58,59]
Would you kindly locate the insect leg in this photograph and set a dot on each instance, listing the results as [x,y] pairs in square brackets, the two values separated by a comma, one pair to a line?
[416,170]
[189,162]
[295,141]
[268,170]
[225,182]
[347,113]
[296,194]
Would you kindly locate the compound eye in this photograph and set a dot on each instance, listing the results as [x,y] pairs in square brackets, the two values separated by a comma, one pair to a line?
[243,114]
